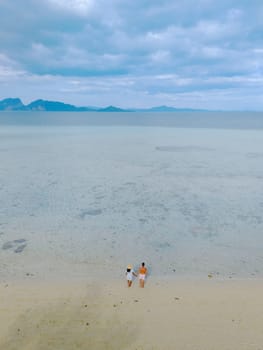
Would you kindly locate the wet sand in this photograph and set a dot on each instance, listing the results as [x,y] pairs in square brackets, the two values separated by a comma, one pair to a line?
[169,314]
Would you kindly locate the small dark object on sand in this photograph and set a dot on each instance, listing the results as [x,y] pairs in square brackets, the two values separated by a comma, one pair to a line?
[29,274]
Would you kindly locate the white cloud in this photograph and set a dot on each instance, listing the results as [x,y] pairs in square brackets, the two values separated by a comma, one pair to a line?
[81,7]
[213,52]
[9,69]
[131,52]
[161,56]
[40,51]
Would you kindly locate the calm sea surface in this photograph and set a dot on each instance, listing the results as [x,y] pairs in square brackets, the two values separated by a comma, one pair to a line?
[90,193]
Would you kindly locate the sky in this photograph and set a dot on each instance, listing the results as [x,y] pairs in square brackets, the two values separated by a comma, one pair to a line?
[134,53]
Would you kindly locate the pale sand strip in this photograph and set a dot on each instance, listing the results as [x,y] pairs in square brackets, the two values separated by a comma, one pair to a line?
[181,315]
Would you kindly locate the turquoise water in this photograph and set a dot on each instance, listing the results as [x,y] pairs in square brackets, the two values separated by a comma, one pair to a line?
[86,198]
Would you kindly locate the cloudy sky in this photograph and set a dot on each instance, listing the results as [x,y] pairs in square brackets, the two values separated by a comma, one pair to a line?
[134,53]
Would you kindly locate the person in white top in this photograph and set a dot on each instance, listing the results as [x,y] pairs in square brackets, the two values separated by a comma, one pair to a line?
[129,275]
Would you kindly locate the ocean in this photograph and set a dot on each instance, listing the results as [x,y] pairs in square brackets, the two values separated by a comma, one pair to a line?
[89,193]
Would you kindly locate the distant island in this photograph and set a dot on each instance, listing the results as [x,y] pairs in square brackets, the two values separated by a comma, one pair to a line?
[15,104]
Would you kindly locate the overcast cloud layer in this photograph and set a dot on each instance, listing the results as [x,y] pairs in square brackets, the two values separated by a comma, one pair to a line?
[139,53]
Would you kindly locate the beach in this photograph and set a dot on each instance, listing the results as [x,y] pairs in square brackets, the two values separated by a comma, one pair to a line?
[166,314]
[80,202]
[131,152]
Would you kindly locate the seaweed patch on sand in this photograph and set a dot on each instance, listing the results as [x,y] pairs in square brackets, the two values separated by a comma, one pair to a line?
[90,212]
[17,245]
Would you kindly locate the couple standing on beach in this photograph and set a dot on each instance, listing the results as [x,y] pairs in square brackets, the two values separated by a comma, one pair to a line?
[142,274]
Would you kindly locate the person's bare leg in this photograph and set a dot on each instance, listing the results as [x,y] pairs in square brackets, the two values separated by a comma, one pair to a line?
[142,283]
[129,283]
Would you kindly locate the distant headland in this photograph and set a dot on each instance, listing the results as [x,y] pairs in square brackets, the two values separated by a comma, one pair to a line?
[15,104]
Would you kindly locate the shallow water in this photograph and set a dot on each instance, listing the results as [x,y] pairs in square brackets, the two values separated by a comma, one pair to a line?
[91,198]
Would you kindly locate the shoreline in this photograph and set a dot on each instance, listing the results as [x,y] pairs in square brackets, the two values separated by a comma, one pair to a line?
[166,314]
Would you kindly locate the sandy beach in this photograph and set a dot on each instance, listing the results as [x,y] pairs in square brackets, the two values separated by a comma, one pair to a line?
[80,203]
[169,314]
